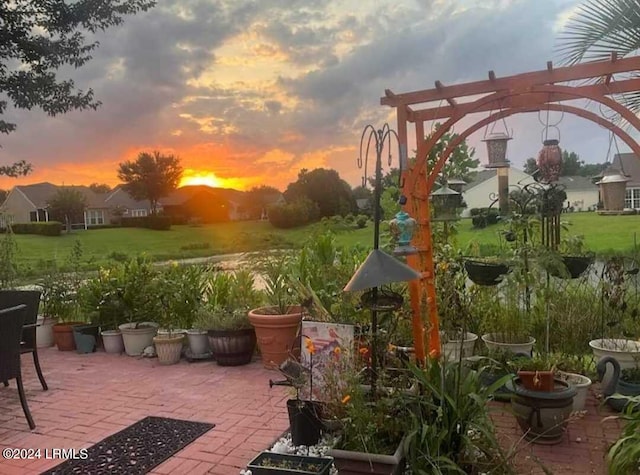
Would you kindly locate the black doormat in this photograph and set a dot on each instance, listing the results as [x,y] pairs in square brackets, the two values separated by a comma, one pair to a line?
[136,449]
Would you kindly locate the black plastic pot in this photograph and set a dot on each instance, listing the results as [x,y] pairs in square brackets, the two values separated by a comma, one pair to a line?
[86,338]
[305,421]
[485,273]
[232,347]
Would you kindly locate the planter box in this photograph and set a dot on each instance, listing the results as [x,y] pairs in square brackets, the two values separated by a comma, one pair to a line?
[356,463]
[537,380]
[283,464]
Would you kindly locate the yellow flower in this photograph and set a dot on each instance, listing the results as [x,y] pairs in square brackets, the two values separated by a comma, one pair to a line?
[310,346]
[391,347]
[337,351]
[364,350]
[346,399]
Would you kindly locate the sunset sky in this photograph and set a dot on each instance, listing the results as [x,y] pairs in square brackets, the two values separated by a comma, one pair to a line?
[248,92]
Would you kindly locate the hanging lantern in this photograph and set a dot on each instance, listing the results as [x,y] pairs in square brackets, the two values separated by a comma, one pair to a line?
[497,150]
[445,202]
[613,187]
[402,227]
[550,161]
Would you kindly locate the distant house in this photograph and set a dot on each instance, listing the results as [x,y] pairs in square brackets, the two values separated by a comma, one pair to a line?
[582,194]
[629,164]
[29,203]
[121,204]
[203,203]
[482,191]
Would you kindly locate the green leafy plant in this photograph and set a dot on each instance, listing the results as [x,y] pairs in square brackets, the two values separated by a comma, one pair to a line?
[179,289]
[227,299]
[624,455]
[450,430]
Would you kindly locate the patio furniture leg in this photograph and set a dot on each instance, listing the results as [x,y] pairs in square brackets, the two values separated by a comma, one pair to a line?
[23,401]
[36,362]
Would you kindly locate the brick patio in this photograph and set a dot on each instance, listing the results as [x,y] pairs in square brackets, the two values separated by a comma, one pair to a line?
[92,396]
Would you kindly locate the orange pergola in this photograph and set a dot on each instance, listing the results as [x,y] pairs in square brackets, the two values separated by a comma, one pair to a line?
[547,89]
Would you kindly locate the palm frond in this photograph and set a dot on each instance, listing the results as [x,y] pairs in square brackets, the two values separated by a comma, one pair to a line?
[601,27]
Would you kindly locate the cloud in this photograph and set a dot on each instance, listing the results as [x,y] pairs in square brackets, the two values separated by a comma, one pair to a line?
[257,90]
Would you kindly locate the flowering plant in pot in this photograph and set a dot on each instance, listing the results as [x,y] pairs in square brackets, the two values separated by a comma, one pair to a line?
[59,303]
[277,324]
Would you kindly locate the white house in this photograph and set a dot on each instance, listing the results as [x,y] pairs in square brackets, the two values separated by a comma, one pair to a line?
[582,194]
[483,190]
[629,164]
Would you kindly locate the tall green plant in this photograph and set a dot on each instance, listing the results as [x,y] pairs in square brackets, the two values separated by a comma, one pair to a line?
[450,430]
[624,455]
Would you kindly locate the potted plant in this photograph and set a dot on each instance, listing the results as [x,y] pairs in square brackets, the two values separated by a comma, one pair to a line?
[224,315]
[623,455]
[536,374]
[270,463]
[574,260]
[486,272]
[625,382]
[135,296]
[182,287]
[277,325]
[505,327]
[572,369]
[542,415]
[454,309]
[59,304]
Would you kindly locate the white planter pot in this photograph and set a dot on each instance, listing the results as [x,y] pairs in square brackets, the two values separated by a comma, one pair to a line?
[137,338]
[198,342]
[112,341]
[493,343]
[626,352]
[582,384]
[451,348]
[168,349]
[44,332]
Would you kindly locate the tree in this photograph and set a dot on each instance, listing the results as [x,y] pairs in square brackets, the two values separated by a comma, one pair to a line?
[600,27]
[257,200]
[100,188]
[67,206]
[530,166]
[460,163]
[39,37]
[151,177]
[324,188]
[571,164]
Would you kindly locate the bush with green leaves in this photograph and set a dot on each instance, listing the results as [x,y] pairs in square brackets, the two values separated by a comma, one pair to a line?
[179,289]
[227,298]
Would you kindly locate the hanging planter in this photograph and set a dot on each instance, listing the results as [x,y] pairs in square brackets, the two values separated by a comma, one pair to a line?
[575,267]
[484,272]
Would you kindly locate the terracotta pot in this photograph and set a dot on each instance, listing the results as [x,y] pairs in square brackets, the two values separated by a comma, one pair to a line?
[276,334]
[63,335]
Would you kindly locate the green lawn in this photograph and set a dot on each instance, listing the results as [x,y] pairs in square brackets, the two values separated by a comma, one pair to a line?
[603,234]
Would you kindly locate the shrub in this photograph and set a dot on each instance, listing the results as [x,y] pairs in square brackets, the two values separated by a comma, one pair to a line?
[51,228]
[361,221]
[290,215]
[158,223]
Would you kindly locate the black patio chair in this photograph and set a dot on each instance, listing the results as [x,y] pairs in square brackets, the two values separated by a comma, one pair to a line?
[31,298]
[11,321]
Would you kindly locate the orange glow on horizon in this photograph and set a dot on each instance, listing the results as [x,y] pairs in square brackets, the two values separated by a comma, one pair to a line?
[195,177]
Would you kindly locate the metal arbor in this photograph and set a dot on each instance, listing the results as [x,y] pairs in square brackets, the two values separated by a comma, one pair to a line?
[545,89]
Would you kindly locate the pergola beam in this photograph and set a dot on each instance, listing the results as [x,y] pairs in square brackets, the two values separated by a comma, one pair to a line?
[526,99]
[593,69]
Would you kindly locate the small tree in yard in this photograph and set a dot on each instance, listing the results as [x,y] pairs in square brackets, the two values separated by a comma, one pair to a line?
[67,205]
[151,177]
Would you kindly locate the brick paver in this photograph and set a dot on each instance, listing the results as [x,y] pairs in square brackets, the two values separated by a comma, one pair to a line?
[93,396]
